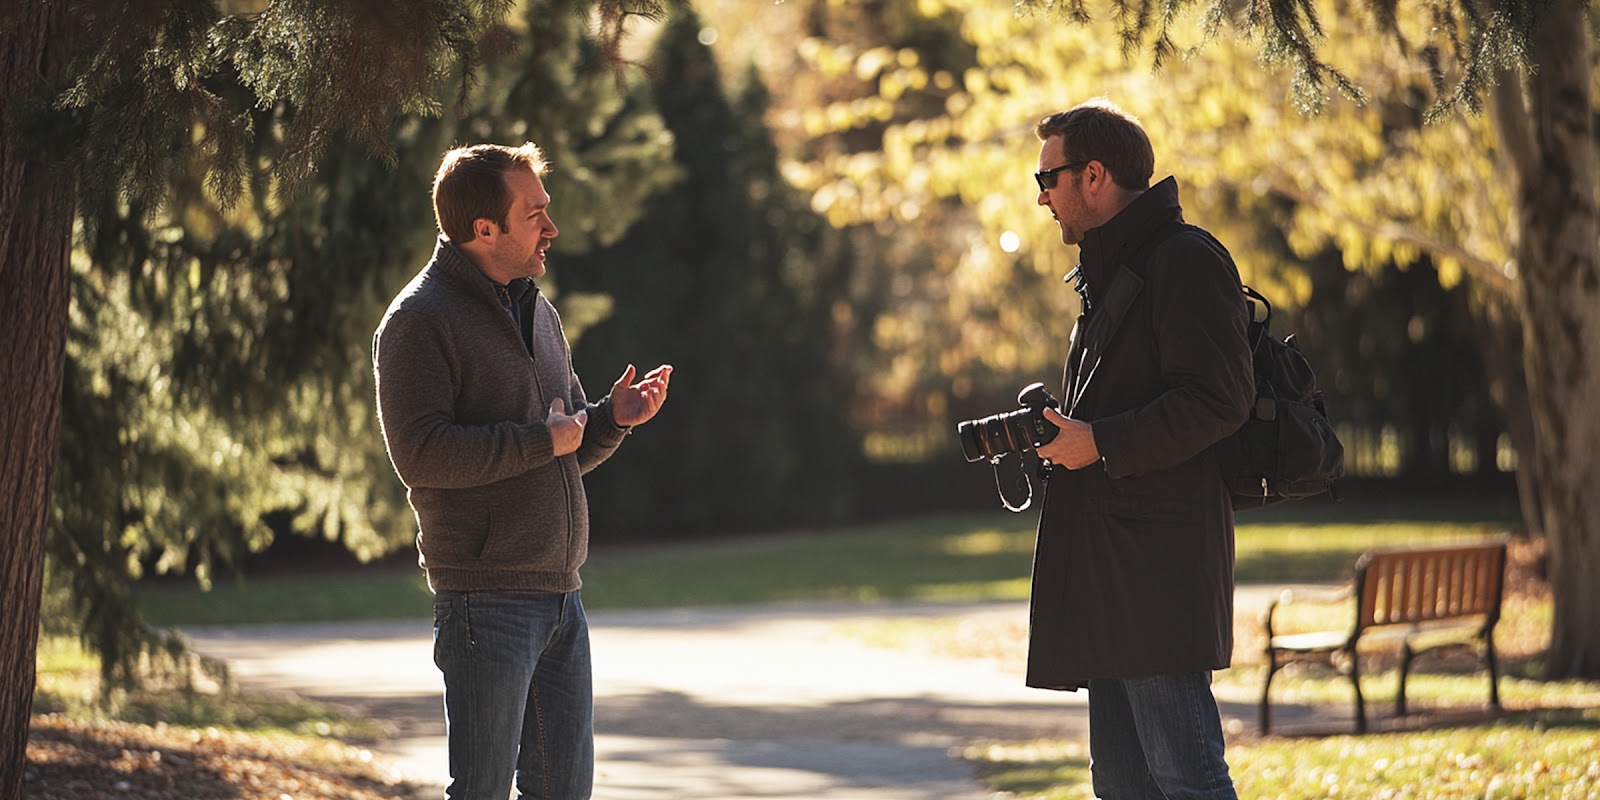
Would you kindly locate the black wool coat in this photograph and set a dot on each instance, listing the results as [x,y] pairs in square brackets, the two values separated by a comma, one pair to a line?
[1133,567]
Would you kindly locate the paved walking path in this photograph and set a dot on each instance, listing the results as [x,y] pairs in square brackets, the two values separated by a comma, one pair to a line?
[713,704]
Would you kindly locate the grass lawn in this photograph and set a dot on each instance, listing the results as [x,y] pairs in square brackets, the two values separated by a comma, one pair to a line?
[1547,754]
[965,557]
[68,684]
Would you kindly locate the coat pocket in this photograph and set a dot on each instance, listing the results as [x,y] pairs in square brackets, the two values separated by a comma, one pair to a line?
[1169,496]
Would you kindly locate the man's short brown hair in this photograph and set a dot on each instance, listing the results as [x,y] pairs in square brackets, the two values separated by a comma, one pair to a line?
[471,185]
[1099,131]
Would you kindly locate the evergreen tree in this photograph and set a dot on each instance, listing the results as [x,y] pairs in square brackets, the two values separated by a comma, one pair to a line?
[219,321]
[206,411]
[727,277]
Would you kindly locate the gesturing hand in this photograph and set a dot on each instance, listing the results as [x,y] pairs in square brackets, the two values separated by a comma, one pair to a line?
[566,432]
[635,404]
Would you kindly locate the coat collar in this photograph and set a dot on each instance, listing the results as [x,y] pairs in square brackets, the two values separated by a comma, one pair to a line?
[1104,248]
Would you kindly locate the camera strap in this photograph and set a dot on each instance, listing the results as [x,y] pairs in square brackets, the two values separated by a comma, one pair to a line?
[1000,489]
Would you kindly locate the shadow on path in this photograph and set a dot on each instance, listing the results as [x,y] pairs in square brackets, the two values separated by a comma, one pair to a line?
[727,703]
[765,702]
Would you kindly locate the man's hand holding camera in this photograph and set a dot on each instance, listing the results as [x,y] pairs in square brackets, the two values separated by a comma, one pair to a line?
[1073,447]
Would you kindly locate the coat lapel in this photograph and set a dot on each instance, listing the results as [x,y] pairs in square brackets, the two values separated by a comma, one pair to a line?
[1101,328]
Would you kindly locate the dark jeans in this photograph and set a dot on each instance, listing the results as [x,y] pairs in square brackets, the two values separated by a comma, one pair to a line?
[1157,738]
[518,694]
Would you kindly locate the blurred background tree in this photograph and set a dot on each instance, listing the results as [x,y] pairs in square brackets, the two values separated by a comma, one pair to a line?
[905,119]
[915,133]
[729,277]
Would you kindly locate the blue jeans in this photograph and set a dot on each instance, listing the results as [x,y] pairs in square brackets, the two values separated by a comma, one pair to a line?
[1157,737]
[518,694]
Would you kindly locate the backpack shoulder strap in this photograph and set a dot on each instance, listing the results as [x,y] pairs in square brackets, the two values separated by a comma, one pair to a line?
[1260,311]
[1138,257]
[1126,283]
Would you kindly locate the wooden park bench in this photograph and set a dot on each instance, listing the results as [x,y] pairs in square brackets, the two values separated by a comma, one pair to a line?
[1426,597]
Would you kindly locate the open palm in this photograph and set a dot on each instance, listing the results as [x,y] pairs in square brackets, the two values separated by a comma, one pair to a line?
[635,403]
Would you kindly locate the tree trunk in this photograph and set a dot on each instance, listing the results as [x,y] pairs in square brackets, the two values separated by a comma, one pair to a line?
[1559,258]
[35,237]
[1519,426]
[1502,346]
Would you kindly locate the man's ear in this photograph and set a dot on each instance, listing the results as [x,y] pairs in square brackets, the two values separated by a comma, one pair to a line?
[1097,174]
[483,229]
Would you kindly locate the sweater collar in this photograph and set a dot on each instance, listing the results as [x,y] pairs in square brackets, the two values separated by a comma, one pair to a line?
[1104,247]
[451,261]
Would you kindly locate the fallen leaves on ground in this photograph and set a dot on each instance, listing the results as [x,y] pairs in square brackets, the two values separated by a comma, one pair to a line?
[90,760]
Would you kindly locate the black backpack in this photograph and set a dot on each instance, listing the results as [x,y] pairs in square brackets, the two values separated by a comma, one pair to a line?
[1287,449]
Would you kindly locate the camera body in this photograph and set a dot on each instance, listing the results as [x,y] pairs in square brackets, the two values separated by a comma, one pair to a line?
[1011,431]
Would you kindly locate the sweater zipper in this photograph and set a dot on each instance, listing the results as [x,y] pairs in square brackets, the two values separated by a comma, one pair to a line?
[516,327]
[566,487]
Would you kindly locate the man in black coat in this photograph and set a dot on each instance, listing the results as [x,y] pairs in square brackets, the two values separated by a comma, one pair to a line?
[1133,573]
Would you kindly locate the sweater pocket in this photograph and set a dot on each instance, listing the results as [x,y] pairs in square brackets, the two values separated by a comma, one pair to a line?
[525,523]
[453,536]
[526,535]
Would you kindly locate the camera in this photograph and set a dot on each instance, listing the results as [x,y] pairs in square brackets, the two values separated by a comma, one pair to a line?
[1012,431]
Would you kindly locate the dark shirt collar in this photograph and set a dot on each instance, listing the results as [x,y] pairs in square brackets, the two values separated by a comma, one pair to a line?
[517,288]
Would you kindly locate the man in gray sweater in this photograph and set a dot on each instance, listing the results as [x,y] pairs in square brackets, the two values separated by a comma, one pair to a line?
[490,430]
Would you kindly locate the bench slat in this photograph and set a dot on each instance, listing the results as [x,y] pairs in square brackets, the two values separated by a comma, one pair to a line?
[1409,586]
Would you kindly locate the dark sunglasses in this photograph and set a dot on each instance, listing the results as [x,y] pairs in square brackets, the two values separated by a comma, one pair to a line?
[1047,179]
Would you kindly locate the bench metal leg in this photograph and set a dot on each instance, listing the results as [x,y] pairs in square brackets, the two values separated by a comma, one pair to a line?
[1406,655]
[1355,682]
[1494,671]
[1265,720]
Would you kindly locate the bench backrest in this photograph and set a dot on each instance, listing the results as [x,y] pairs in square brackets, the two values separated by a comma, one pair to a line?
[1399,586]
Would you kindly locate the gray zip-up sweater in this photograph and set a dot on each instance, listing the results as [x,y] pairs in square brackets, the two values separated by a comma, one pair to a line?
[462,406]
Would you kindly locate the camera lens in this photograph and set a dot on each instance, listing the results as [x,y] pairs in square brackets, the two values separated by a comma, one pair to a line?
[1011,431]
[1004,435]
[972,443]
[995,435]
